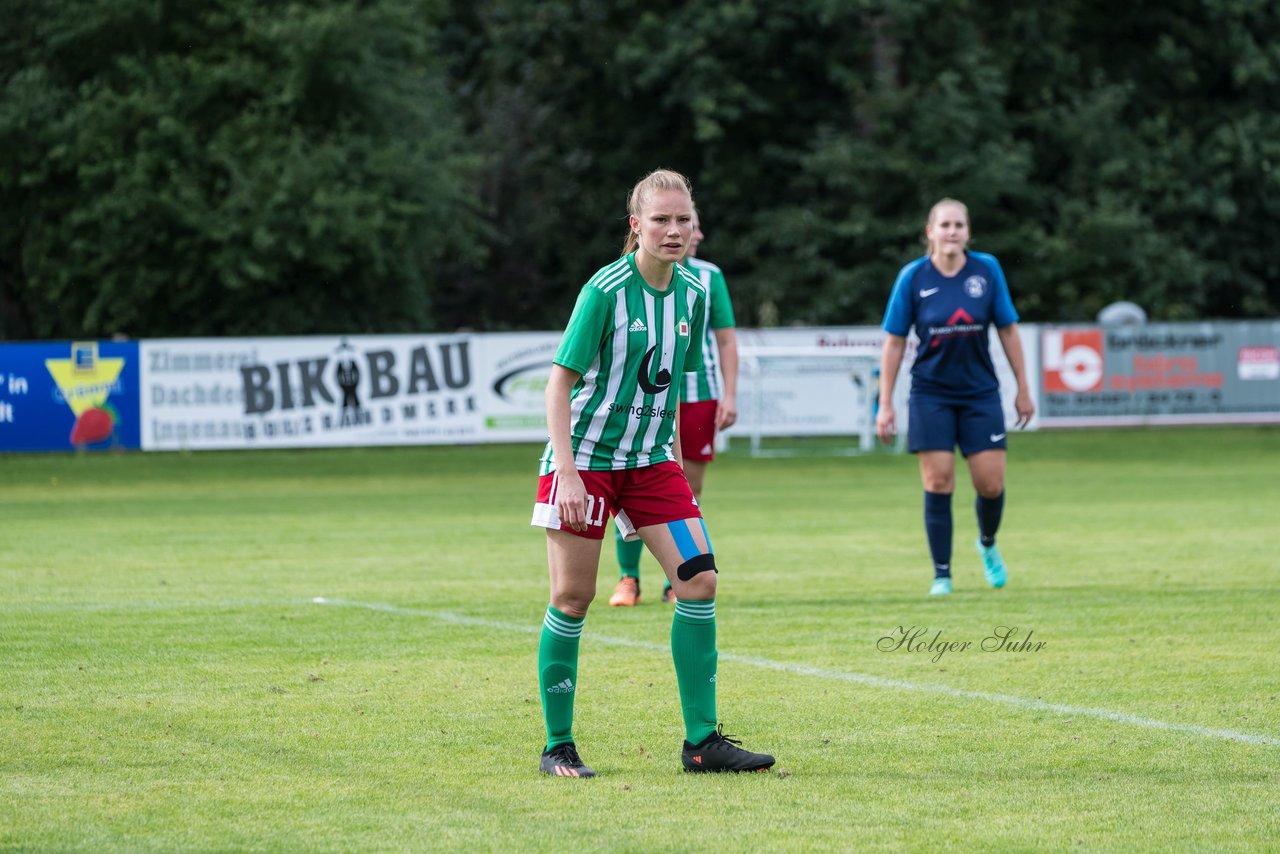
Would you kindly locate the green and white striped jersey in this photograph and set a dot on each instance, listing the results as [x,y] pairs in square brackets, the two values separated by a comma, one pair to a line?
[628,341]
[708,382]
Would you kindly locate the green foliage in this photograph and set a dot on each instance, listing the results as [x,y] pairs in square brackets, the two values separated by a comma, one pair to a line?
[1156,153]
[333,165]
[1105,154]
[228,168]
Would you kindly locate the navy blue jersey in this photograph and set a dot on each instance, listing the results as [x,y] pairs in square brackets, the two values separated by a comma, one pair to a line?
[951,315]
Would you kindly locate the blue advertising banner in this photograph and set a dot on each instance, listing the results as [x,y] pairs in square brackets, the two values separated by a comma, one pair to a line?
[65,395]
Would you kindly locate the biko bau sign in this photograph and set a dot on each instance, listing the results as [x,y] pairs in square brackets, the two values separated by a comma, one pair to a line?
[299,392]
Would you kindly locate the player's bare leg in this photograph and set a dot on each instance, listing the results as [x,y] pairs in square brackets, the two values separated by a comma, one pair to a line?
[986,469]
[572,564]
[661,542]
[696,472]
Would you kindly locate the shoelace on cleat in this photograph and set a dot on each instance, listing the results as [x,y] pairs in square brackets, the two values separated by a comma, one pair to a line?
[721,738]
[568,753]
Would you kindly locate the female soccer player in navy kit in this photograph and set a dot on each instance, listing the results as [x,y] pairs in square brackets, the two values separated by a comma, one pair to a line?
[952,296]
[612,402]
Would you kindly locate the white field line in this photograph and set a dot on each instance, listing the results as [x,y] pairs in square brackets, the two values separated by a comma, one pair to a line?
[1017,702]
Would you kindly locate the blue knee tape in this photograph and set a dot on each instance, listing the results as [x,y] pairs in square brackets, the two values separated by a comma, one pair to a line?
[695,560]
[684,540]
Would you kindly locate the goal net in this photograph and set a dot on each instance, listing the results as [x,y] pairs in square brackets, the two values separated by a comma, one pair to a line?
[794,400]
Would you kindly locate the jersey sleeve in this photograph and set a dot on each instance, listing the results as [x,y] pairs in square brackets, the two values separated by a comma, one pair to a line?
[582,337]
[693,360]
[1002,305]
[721,307]
[898,315]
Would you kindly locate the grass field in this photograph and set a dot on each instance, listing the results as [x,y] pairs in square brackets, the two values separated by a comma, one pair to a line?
[169,683]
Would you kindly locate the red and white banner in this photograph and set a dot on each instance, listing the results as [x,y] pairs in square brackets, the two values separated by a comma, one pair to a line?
[1161,373]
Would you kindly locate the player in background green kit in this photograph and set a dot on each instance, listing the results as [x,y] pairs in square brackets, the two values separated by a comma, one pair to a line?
[614,449]
[709,404]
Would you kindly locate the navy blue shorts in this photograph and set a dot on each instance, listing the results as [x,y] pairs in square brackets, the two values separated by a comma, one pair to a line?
[939,424]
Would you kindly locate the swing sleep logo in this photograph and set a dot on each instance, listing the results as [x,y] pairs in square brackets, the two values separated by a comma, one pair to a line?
[1072,360]
[659,383]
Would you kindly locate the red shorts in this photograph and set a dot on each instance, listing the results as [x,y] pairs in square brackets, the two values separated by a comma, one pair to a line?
[637,497]
[698,430]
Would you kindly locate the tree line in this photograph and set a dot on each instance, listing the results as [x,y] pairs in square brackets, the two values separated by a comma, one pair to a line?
[239,167]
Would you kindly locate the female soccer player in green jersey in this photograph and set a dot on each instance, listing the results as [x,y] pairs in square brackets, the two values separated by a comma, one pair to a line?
[708,404]
[614,449]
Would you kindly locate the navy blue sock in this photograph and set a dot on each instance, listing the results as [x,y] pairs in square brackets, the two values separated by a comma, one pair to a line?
[989,512]
[937,527]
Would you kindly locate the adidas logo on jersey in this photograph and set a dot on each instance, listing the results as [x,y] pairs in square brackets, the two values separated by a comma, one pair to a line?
[565,687]
[637,325]
[706,449]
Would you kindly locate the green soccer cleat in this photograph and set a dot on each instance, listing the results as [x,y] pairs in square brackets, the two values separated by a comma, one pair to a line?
[941,587]
[992,565]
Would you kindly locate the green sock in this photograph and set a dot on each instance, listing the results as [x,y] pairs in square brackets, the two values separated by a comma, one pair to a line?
[628,555]
[693,649]
[558,674]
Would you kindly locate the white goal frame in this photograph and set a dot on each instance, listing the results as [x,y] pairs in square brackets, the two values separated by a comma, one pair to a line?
[806,392]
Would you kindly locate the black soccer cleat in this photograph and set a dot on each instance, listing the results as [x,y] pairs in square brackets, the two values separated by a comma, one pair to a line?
[563,761]
[718,752]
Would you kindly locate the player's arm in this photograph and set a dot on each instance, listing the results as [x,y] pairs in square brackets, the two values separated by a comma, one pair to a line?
[727,408]
[890,362]
[1006,323]
[899,315]
[571,494]
[1011,341]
